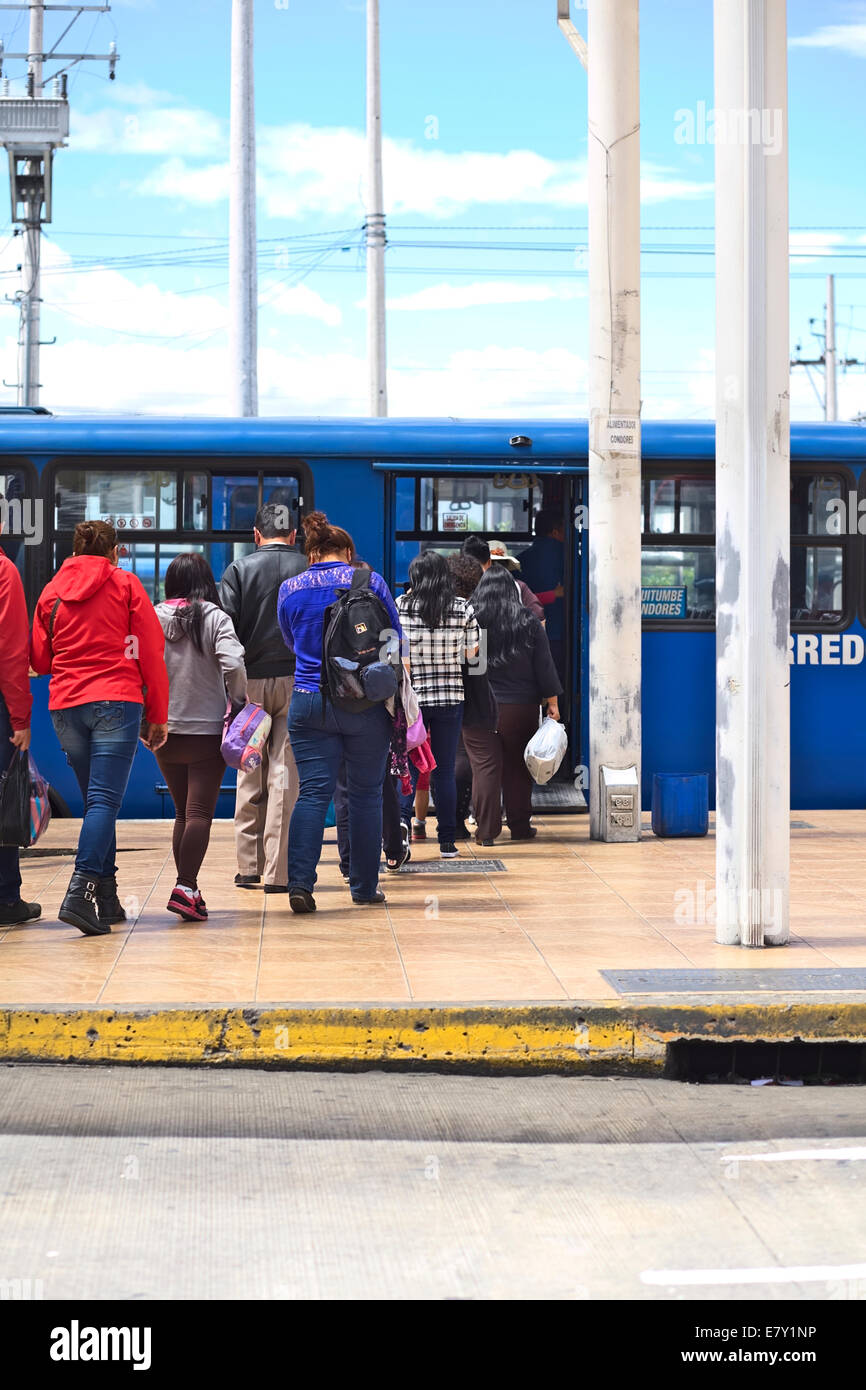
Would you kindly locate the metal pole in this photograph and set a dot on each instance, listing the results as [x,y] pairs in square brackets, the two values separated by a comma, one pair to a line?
[243,291]
[752,474]
[31,289]
[614,396]
[830,355]
[35,43]
[375,223]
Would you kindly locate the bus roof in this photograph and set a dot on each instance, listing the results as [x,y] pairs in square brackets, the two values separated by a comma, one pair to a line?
[388,440]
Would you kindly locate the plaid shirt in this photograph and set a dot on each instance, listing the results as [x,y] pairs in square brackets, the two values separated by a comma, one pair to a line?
[436,657]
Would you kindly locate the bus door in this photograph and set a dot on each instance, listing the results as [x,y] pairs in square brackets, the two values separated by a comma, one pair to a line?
[438,511]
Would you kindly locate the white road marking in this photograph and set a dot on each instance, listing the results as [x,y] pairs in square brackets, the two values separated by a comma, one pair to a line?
[773,1274]
[798,1155]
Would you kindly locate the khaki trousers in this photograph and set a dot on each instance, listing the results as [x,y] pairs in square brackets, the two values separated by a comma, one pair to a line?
[266,796]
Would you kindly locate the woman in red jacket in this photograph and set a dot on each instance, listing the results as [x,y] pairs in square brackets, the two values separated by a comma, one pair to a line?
[97,635]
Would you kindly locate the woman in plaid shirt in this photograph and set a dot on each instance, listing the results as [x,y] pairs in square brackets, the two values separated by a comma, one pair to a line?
[442,634]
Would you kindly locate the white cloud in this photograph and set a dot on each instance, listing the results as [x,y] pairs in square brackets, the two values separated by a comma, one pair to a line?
[303,302]
[183,183]
[149,129]
[805,246]
[848,38]
[484,292]
[306,169]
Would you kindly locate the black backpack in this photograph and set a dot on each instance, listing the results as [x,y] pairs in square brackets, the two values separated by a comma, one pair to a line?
[354,675]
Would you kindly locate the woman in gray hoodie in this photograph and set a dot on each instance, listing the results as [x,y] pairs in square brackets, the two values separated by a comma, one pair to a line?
[204,658]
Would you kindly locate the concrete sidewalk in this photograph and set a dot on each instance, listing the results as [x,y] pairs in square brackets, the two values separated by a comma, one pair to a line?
[496,961]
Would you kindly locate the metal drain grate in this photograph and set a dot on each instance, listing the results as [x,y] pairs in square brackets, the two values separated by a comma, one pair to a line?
[734,981]
[455,866]
[557,798]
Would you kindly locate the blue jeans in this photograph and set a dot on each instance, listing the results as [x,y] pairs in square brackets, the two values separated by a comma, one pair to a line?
[99,740]
[10,876]
[443,724]
[320,744]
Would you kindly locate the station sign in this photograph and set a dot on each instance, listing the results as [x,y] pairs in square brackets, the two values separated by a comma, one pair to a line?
[666,602]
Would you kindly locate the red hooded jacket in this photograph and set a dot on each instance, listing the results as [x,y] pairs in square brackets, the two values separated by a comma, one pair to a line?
[14,646]
[108,643]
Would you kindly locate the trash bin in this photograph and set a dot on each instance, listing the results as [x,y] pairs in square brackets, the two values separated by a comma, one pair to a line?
[681,804]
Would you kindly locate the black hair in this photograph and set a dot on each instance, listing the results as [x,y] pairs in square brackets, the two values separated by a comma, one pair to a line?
[478,548]
[502,615]
[466,573]
[547,521]
[274,521]
[189,576]
[432,591]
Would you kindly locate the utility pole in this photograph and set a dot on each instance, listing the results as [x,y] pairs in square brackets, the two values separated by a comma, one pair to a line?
[31,295]
[829,361]
[243,278]
[374,225]
[752,478]
[32,127]
[614,401]
[830,412]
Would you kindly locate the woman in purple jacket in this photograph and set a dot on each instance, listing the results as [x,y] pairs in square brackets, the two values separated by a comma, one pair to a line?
[323,736]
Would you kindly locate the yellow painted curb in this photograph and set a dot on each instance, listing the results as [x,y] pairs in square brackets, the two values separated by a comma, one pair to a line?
[573,1037]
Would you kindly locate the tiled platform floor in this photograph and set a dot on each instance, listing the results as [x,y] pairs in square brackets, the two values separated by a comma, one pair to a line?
[565,909]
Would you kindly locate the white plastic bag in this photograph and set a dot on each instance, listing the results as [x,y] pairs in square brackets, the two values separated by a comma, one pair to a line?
[545,750]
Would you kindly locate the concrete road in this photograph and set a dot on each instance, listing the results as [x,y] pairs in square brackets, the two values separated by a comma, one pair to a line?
[176,1184]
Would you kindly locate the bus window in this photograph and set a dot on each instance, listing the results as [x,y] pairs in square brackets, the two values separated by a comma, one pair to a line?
[817,587]
[130,500]
[819,553]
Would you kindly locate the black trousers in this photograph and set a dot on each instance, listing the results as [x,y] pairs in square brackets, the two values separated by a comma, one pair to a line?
[392,839]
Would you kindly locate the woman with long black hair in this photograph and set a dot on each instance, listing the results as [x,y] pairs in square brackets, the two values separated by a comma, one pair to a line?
[203,657]
[443,636]
[522,677]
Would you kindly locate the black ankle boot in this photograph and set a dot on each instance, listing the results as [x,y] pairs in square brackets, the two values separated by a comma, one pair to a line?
[108,903]
[78,908]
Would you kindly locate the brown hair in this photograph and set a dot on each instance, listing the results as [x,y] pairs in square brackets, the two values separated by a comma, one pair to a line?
[94,538]
[321,538]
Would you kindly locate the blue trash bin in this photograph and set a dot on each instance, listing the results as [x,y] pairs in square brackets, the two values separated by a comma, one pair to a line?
[681,804]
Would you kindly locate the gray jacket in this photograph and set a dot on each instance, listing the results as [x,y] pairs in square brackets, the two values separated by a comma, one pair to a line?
[197,681]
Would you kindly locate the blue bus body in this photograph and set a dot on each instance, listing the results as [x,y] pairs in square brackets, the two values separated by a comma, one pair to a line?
[369,474]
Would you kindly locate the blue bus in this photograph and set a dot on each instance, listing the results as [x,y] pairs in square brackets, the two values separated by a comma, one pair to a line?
[400,486]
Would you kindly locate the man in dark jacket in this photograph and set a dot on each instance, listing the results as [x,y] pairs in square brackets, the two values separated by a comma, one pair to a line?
[15,707]
[266,796]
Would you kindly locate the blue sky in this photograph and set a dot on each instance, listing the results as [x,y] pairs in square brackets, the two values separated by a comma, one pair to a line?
[484,113]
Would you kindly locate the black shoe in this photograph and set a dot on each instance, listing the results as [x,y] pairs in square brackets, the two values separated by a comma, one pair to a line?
[12,914]
[378,897]
[108,904]
[448,850]
[276,888]
[485,844]
[301,900]
[78,908]
[247,880]
[529,834]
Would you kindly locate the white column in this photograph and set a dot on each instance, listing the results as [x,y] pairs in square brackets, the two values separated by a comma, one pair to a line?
[375,223]
[752,473]
[830,358]
[614,393]
[243,284]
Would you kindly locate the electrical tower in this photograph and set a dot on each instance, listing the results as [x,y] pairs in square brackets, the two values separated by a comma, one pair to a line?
[829,361]
[32,126]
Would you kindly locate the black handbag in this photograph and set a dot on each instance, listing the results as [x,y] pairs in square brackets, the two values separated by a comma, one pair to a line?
[15,801]
[480,710]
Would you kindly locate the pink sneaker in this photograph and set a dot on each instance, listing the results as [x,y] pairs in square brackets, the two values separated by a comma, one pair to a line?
[187,906]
